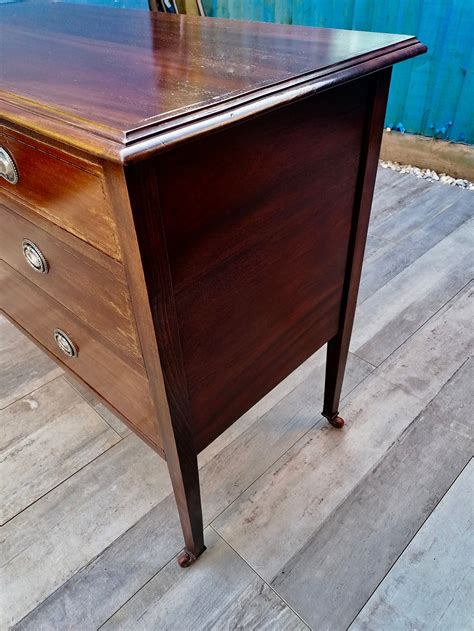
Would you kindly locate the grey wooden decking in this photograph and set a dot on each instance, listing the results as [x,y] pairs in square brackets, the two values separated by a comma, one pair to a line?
[306,526]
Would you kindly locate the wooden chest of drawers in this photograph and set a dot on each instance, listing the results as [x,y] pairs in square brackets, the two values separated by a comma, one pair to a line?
[183,209]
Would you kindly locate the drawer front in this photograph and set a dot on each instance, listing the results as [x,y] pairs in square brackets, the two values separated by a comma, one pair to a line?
[61,188]
[97,294]
[122,384]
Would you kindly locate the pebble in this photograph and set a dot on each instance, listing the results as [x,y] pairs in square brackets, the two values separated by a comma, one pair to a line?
[427,174]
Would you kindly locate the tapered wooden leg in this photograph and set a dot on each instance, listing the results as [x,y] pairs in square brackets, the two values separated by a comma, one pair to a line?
[338,346]
[336,361]
[160,342]
[185,480]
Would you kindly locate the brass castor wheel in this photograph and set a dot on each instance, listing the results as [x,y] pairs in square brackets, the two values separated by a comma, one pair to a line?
[186,558]
[337,422]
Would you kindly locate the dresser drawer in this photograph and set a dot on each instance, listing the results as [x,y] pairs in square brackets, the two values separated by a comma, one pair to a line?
[122,384]
[97,294]
[67,191]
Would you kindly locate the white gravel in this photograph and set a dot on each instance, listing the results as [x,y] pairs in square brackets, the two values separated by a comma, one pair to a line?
[427,174]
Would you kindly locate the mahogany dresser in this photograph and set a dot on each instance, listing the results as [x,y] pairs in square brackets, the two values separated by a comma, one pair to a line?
[183,209]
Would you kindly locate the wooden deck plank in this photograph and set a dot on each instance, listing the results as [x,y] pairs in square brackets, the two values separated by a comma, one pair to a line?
[409,598]
[258,607]
[276,517]
[452,334]
[396,225]
[92,595]
[108,416]
[384,260]
[393,190]
[46,437]
[173,599]
[23,367]
[360,541]
[392,314]
[279,513]
[49,542]
[374,247]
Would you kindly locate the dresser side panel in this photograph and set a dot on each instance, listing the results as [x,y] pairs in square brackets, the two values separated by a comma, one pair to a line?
[257,220]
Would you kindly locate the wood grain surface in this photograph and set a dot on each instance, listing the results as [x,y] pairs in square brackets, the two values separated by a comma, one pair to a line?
[121,76]
[23,366]
[257,255]
[66,191]
[122,384]
[443,547]
[57,433]
[96,294]
[385,515]
[105,499]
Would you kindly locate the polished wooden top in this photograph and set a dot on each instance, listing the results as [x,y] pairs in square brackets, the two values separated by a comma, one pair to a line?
[122,82]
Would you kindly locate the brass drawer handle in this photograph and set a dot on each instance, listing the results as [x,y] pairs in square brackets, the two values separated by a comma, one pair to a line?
[65,343]
[34,257]
[8,169]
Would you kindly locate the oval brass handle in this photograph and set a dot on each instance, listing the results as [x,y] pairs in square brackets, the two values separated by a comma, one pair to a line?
[34,257]
[8,169]
[65,343]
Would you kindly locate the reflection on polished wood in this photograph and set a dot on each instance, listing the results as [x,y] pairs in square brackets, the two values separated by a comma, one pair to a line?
[116,75]
[221,173]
